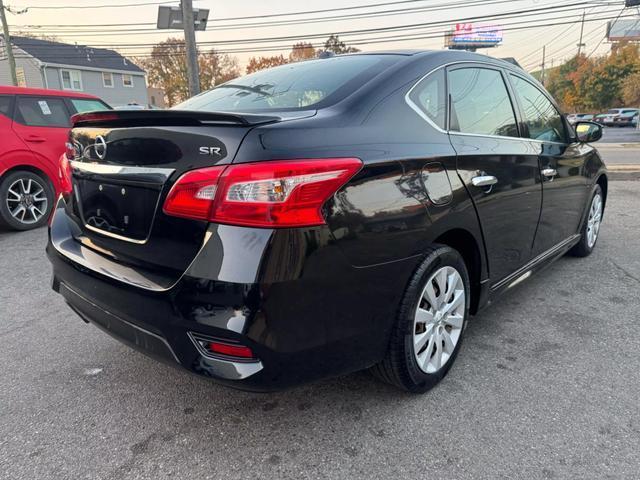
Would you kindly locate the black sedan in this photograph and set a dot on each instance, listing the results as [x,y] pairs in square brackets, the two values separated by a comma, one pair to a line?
[322,217]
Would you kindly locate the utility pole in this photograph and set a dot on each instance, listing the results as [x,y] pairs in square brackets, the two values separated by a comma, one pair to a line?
[544,54]
[580,44]
[190,42]
[9,48]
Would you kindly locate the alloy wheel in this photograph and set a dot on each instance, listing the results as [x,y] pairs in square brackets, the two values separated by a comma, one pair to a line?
[439,319]
[27,200]
[593,222]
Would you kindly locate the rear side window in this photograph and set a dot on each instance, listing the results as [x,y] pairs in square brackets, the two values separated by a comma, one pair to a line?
[87,105]
[6,105]
[42,112]
[429,97]
[480,103]
[542,118]
[294,86]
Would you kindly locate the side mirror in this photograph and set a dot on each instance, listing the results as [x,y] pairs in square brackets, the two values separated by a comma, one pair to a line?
[588,132]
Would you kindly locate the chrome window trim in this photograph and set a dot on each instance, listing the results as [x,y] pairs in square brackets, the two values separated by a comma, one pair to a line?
[508,70]
[416,108]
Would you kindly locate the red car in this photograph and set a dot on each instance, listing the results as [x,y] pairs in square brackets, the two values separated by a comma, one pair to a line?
[34,125]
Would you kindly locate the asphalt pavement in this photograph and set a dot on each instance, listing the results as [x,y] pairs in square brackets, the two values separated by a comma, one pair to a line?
[620,135]
[546,386]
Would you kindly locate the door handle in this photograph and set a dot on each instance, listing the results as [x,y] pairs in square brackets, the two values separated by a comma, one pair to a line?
[35,139]
[549,172]
[484,181]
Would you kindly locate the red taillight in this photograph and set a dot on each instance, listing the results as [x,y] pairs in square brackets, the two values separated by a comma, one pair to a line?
[239,351]
[64,174]
[287,193]
[193,195]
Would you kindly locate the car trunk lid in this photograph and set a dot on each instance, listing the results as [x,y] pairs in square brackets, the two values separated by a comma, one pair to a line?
[123,166]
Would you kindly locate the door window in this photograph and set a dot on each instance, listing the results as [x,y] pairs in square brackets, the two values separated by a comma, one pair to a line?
[428,97]
[480,103]
[6,104]
[42,112]
[542,118]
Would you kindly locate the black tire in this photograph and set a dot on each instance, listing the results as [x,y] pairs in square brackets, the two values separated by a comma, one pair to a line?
[29,222]
[400,367]
[582,248]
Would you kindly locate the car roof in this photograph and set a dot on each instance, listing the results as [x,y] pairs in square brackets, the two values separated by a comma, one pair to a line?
[10,90]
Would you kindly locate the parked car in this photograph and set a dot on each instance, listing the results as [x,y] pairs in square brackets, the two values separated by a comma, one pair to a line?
[34,125]
[577,117]
[599,118]
[628,118]
[612,116]
[323,217]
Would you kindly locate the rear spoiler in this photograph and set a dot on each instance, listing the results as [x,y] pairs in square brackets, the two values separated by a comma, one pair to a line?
[144,118]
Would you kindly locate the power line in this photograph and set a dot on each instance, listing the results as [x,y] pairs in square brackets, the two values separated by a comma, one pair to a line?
[62,7]
[449,5]
[415,26]
[605,34]
[354,42]
[355,16]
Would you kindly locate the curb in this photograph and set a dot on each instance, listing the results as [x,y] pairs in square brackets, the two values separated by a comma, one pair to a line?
[624,168]
[623,172]
[604,146]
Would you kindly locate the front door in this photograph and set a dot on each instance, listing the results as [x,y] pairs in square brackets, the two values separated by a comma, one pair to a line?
[562,166]
[499,169]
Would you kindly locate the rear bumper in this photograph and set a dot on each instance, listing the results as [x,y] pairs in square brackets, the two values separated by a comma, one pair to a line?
[304,311]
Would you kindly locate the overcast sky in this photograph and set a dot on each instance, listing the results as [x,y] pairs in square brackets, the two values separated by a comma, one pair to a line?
[524,45]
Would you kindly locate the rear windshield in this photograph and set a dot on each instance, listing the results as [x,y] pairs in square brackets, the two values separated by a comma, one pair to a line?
[295,86]
[87,105]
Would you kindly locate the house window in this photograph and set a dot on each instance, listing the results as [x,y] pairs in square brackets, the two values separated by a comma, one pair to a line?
[71,79]
[127,80]
[107,79]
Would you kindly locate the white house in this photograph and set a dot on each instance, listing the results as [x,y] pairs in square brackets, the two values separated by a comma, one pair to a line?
[61,66]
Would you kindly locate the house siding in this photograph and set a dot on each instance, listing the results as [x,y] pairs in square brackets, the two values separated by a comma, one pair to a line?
[92,84]
[29,64]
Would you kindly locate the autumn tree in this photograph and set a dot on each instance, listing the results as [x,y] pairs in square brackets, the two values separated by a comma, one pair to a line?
[631,90]
[596,84]
[333,44]
[302,51]
[166,68]
[260,63]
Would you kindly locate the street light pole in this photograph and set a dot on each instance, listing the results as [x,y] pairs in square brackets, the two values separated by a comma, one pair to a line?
[8,46]
[190,43]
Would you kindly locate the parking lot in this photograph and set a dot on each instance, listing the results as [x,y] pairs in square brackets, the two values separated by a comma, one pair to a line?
[546,386]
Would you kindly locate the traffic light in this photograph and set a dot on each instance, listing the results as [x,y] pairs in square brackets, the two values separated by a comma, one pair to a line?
[632,3]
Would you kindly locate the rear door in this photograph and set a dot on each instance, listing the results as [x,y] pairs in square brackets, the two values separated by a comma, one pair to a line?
[43,124]
[562,165]
[499,169]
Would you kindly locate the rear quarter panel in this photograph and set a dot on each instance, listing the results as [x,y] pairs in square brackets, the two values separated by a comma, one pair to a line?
[385,213]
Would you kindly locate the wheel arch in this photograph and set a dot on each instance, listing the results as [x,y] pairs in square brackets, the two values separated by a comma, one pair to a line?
[603,181]
[466,244]
[30,168]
